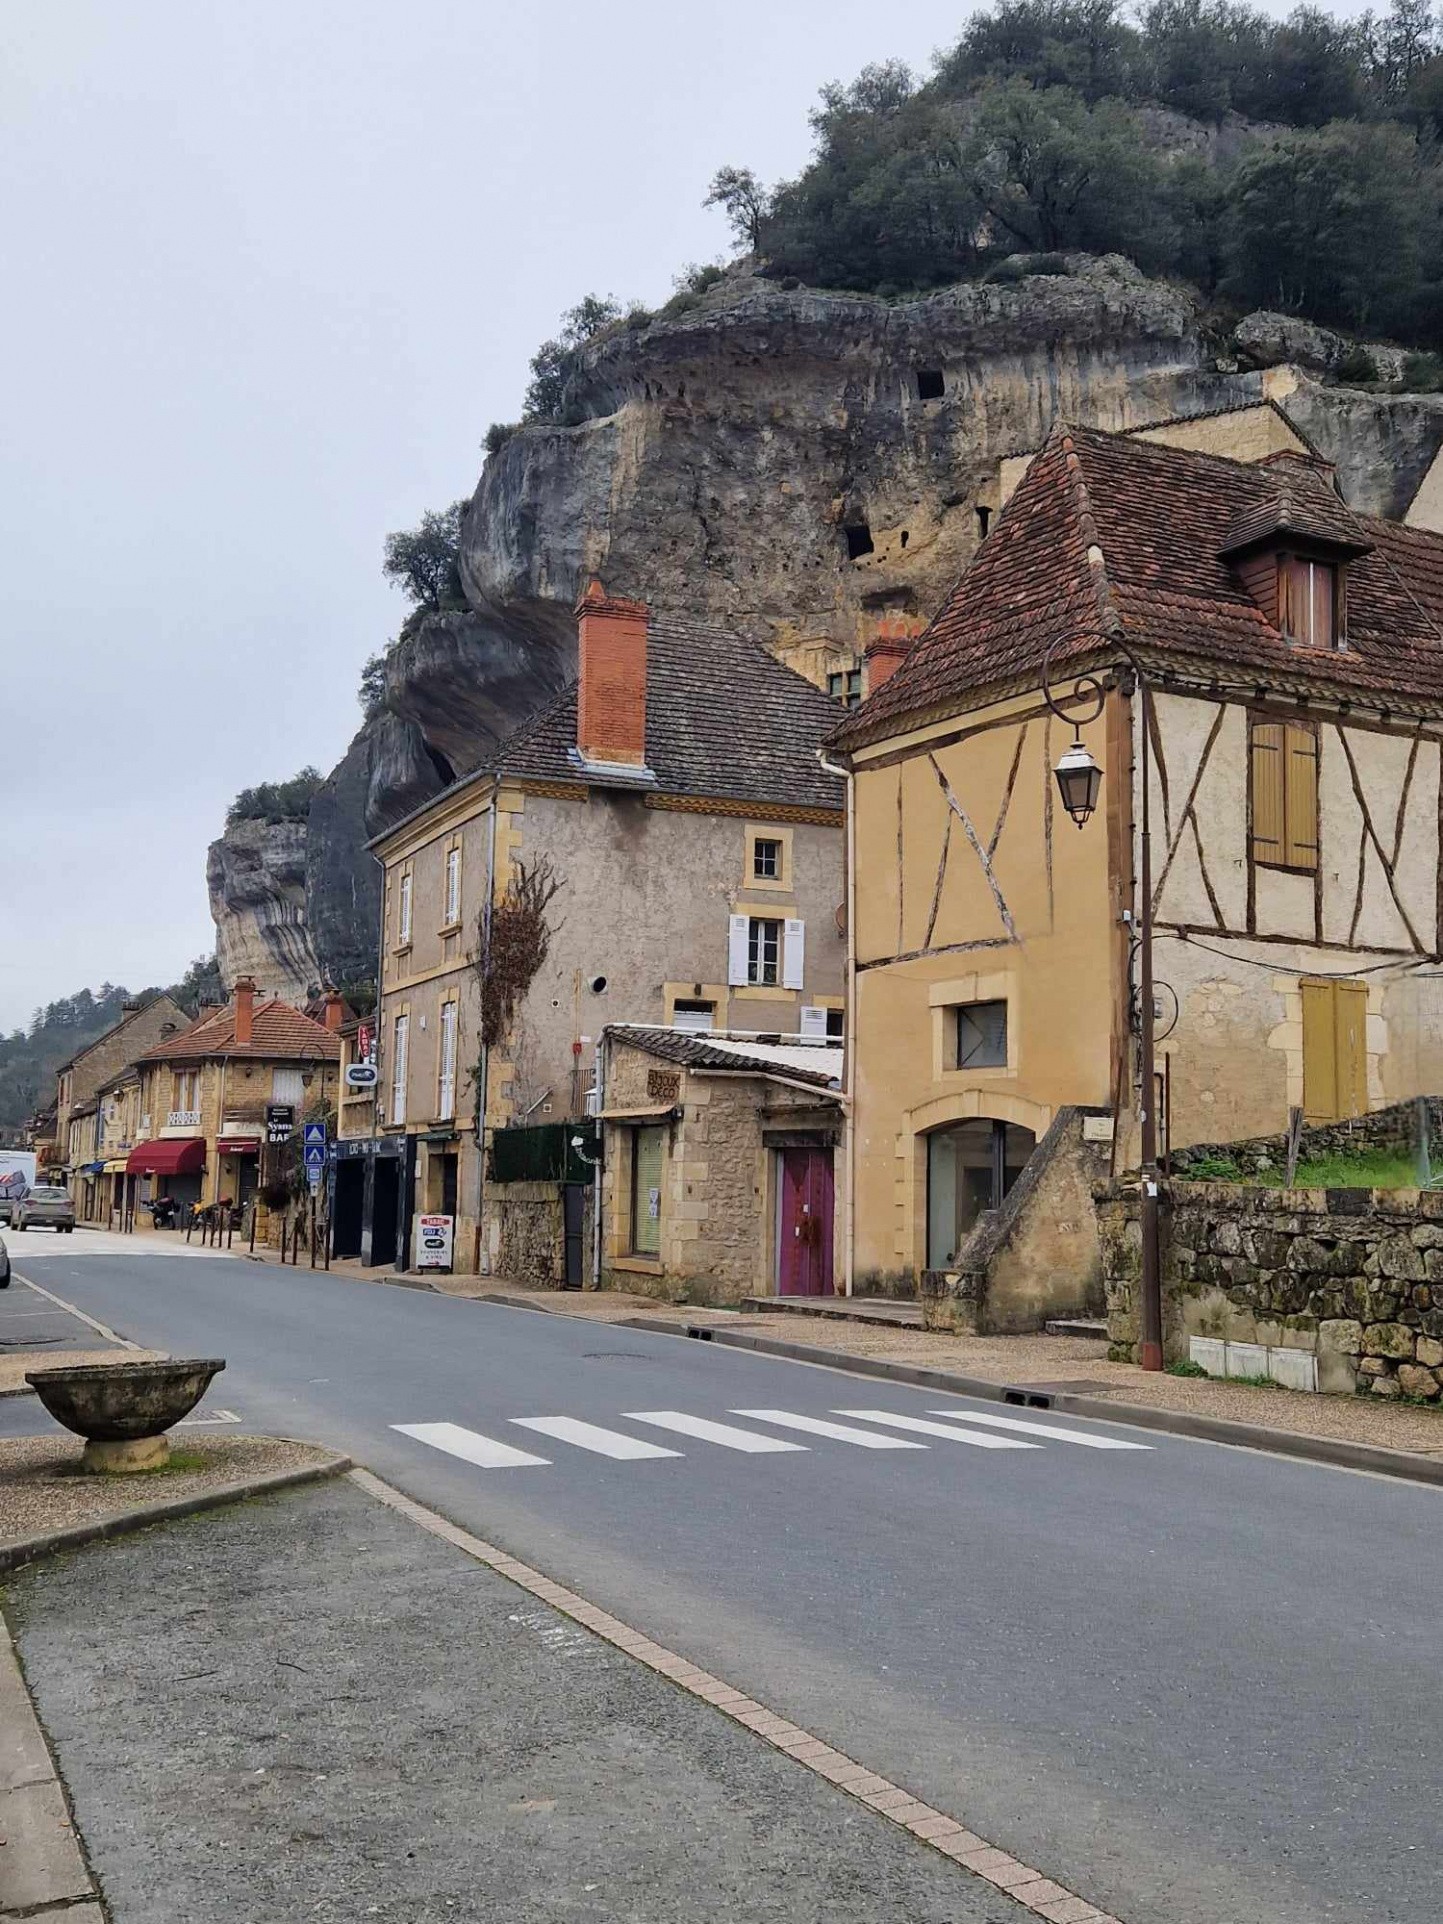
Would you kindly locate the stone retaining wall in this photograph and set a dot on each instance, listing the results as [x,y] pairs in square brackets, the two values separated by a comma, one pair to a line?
[1395,1127]
[1355,1276]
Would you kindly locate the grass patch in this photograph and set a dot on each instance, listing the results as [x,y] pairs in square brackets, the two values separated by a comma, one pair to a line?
[179,1463]
[1186,1368]
[1368,1169]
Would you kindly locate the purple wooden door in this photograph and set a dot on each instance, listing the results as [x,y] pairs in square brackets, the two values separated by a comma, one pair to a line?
[804,1256]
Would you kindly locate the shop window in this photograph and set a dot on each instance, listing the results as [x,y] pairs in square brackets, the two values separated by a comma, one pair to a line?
[971,1166]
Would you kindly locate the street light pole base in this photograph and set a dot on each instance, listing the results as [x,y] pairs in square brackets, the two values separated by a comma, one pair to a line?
[1150,1356]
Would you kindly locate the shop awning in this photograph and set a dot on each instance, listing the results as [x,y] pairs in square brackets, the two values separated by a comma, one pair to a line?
[238,1146]
[640,1112]
[92,1168]
[115,1167]
[179,1156]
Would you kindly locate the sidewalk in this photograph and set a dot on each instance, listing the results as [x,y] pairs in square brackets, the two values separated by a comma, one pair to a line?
[308,1707]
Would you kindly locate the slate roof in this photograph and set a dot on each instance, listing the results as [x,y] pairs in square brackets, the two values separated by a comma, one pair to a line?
[723,718]
[279,1032]
[797,1058]
[1112,537]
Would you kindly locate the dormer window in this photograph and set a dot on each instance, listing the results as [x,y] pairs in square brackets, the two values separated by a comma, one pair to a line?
[1308,601]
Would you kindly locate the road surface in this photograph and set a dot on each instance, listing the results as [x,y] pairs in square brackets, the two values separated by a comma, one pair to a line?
[1197,1684]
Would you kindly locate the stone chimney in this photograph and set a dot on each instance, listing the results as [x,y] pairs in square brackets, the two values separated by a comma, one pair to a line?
[131,1005]
[611,697]
[333,1009]
[887,650]
[245,1006]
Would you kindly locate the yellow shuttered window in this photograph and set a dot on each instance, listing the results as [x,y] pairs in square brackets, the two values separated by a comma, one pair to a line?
[1285,795]
[1335,1050]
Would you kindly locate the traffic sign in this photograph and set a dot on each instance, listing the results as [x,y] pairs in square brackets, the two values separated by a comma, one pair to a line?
[315,1155]
[313,1135]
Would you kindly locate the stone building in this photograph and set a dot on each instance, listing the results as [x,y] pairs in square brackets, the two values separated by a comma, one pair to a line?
[204,1094]
[1294,650]
[674,798]
[141,1026]
[717,1161]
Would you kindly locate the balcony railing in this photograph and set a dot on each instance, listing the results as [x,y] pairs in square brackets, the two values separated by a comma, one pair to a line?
[183,1119]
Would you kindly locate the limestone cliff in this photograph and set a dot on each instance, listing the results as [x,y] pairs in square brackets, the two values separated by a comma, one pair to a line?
[768,458]
[256,878]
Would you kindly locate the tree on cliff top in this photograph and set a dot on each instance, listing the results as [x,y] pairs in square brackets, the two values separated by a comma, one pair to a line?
[288,801]
[424,561]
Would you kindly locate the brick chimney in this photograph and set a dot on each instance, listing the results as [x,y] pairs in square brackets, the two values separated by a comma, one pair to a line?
[887,650]
[611,698]
[245,1006]
[333,1009]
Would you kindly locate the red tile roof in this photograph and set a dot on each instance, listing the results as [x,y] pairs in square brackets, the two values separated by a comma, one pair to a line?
[278,1032]
[1108,537]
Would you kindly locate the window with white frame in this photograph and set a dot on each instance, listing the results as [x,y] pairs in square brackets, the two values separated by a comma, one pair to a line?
[764,950]
[400,1043]
[453,886]
[446,1094]
[403,908]
[694,1017]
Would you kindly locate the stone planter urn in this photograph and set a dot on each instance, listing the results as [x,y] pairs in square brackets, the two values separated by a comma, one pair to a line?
[124,1409]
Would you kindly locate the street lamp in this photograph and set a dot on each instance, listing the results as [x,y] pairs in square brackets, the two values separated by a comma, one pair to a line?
[1079,783]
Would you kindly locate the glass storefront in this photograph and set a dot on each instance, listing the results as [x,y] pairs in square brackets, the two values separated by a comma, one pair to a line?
[970,1168]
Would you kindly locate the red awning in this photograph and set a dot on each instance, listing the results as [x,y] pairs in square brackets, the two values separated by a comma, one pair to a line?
[183,1156]
[238,1146]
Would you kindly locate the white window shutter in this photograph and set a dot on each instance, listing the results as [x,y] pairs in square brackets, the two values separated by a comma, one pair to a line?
[794,959]
[737,951]
[814,1022]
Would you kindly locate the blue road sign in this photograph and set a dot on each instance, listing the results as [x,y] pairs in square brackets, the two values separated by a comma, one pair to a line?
[314,1135]
[315,1156]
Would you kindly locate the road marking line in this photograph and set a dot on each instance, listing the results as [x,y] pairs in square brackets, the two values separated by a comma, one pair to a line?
[470,1445]
[109,1334]
[591,1436]
[940,1429]
[924,1822]
[709,1432]
[1084,1437]
[843,1432]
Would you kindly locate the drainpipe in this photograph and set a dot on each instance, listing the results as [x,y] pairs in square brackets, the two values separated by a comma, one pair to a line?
[849,1042]
[483,1079]
[602,1044]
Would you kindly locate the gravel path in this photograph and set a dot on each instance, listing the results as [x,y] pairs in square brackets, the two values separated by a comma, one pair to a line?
[42,1487]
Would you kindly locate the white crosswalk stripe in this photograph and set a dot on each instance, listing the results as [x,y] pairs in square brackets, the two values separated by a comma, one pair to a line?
[840,1432]
[723,1433]
[591,1436]
[470,1445]
[920,1424]
[1054,1430]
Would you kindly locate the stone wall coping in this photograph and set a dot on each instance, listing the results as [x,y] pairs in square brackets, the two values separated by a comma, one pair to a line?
[1259,1199]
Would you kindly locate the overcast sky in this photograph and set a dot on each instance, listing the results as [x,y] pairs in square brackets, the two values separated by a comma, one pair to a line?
[270,271]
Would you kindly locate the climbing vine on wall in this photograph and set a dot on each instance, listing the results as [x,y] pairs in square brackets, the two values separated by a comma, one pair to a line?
[512,947]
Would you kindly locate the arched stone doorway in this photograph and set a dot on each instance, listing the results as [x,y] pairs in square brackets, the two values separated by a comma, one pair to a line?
[971,1165]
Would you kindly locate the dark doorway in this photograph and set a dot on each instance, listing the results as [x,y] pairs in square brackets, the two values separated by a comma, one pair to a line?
[573,1211]
[385,1209]
[970,1168]
[804,1229]
[444,1178]
[346,1210]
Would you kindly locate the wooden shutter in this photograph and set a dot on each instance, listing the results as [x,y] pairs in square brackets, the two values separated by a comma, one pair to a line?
[1268,792]
[1335,1050]
[1291,603]
[794,954]
[1300,797]
[737,951]
[1321,629]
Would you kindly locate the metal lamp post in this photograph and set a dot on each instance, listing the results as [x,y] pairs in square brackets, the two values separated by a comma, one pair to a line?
[1079,783]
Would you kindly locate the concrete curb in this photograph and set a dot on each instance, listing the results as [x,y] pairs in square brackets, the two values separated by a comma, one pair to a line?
[1336,1452]
[43,1872]
[14,1555]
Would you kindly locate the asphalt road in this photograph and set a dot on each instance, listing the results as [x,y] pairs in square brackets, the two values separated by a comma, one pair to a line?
[1198,1685]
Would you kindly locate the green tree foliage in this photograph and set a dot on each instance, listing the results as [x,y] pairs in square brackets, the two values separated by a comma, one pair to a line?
[30,1057]
[372,692]
[551,363]
[1031,136]
[200,986]
[288,801]
[424,561]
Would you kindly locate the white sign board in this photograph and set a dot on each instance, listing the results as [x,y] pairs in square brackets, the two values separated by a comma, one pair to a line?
[360,1075]
[433,1241]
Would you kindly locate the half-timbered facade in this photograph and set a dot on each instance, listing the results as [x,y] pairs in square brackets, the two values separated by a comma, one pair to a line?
[1294,654]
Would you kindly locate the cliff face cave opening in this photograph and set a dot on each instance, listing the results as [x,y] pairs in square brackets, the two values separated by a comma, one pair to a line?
[930,385]
[859,540]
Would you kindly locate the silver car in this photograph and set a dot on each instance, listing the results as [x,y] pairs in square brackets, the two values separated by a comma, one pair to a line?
[45,1206]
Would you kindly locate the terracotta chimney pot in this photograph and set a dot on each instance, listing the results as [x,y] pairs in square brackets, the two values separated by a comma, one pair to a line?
[611,696]
[245,1006]
[889,648]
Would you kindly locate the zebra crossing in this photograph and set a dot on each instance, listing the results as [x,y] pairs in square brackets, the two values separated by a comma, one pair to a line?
[972,1429]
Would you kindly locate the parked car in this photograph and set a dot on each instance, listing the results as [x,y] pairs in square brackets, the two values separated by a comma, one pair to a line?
[4,1265]
[45,1206]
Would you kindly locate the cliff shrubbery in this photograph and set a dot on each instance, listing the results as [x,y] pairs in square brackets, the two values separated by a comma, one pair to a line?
[1042,131]
[288,801]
